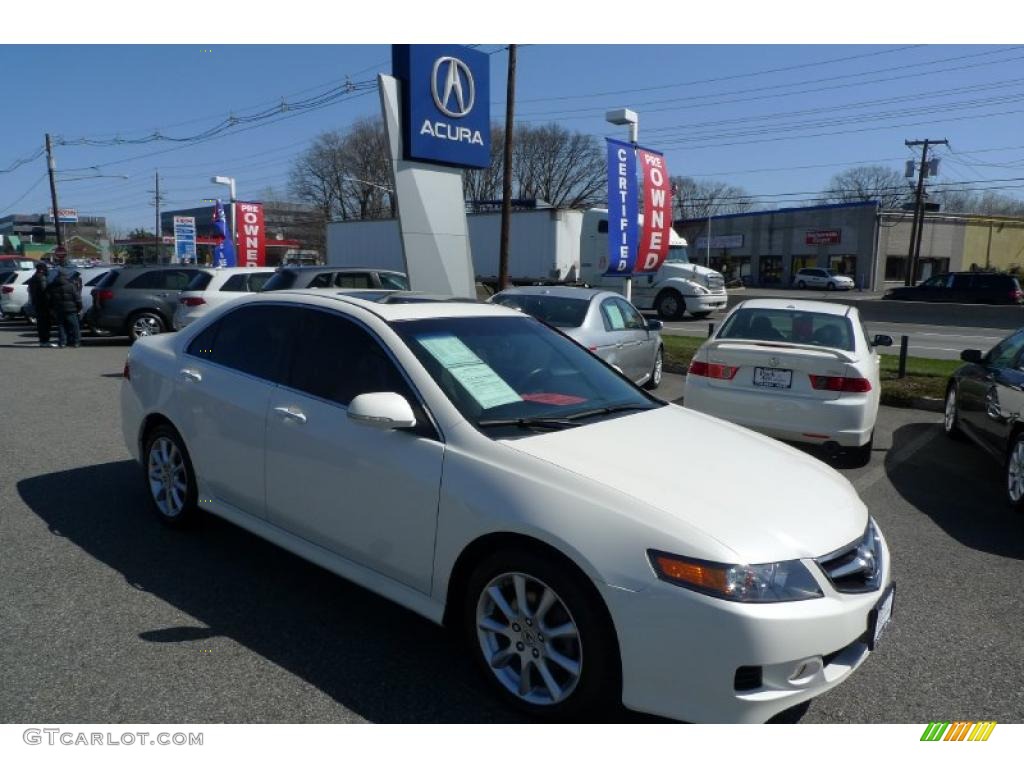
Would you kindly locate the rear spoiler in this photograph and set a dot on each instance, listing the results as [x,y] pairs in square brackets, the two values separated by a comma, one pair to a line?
[846,357]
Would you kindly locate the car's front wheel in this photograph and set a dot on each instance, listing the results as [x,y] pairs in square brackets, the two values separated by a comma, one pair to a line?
[1015,473]
[831,286]
[145,324]
[801,284]
[169,476]
[538,636]
[670,305]
[951,418]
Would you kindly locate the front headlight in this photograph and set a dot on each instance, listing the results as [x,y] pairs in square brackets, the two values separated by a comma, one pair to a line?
[762,583]
[701,290]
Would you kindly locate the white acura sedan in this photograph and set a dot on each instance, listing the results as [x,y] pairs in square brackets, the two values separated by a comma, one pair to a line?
[802,371]
[488,473]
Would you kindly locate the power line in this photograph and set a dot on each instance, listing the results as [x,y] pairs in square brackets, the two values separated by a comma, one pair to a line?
[25,194]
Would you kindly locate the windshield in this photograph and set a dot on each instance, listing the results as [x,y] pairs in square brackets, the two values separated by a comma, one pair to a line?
[678,254]
[555,310]
[786,325]
[499,369]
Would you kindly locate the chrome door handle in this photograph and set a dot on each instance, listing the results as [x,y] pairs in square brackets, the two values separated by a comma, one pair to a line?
[294,414]
[189,374]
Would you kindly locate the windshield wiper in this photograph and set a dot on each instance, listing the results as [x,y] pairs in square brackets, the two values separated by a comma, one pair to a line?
[609,409]
[529,423]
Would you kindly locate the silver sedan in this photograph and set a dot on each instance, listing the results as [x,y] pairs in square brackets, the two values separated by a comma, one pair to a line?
[603,321]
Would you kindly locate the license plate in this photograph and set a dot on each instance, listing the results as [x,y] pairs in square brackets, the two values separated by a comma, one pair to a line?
[774,378]
[879,618]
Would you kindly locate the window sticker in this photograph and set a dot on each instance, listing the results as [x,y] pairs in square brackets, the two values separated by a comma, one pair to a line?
[615,317]
[479,379]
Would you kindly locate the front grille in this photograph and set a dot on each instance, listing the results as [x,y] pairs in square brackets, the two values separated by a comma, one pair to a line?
[748,678]
[857,567]
[715,282]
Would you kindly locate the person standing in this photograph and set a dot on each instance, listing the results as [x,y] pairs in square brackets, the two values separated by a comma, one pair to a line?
[66,304]
[37,293]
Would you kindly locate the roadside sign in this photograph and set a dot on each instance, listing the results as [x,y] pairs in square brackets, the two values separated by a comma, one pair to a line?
[65,215]
[185,239]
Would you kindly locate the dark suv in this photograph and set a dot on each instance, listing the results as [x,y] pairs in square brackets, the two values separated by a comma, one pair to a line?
[294,278]
[140,301]
[963,288]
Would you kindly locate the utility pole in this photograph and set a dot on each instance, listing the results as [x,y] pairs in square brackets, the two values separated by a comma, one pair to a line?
[506,181]
[157,199]
[52,165]
[917,227]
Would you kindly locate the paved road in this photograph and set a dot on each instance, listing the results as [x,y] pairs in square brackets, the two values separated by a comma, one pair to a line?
[109,617]
[936,342]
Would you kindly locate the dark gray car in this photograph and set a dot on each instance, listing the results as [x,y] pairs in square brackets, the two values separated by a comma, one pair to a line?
[140,301]
[603,321]
[295,278]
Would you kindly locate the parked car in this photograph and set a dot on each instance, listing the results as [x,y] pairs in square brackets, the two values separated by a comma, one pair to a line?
[602,321]
[962,288]
[579,567]
[140,301]
[207,291]
[86,278]
[984,400]
[5,274]
[822,278]
[14,293]
[802,371]
[294,278]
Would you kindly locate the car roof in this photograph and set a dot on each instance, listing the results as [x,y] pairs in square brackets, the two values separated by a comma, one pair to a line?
[799,305]
[397,306]
[558,291]
[322,268]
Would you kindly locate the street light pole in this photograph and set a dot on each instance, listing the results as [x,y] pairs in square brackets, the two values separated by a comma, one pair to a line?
[630,118]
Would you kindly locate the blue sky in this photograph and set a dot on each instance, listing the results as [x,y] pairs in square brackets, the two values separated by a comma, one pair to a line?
[778,120]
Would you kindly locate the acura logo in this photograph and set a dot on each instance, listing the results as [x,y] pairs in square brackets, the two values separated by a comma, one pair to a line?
[457,93]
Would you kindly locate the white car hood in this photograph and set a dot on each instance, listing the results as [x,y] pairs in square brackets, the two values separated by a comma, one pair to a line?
[760,498]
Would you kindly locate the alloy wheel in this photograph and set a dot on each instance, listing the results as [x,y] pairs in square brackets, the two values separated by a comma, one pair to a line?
[1015,472]
[168,477]
[950,417]
[145,325]
[529,639]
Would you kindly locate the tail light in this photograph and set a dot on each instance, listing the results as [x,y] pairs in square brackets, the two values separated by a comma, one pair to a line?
[101,295]
[127,373]
[1016,294]
[840,383]
[192,301]
[7,289]
[712,370]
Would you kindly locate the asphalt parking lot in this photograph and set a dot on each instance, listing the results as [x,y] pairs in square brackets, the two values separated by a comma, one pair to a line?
[110,617]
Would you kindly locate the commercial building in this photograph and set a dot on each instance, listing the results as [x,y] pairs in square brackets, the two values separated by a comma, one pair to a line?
[86,237]
[860,240]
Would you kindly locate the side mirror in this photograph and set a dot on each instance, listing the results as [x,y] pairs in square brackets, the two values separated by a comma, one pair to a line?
[881,340]
[971,356]
[654,325]
[383,410]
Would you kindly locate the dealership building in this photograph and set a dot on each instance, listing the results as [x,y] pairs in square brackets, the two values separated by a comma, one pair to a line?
[860,240]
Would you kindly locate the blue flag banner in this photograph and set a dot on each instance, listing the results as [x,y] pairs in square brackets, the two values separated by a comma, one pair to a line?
[224,252]
[622,208]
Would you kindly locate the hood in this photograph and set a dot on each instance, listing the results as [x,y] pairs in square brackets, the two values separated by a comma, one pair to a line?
[760,498]
[688,270]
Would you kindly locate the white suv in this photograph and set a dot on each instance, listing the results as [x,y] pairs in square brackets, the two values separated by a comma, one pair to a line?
[207,291]
[822,278]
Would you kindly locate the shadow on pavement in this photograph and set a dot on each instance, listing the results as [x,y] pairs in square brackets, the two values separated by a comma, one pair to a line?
[373,657]
[960,487]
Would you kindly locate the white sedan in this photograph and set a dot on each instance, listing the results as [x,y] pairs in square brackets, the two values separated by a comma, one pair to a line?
[810,277]
[488,473]
[802,371]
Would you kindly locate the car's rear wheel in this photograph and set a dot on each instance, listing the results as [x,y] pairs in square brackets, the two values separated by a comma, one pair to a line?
[169,476]
[1015,473]
[145,324]
[951,418]
[801,284]
[861,455]
[657,371]
[670,305]
[539,639]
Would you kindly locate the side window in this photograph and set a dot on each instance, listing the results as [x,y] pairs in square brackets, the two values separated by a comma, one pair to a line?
[336,360]
[251,340]
[323,280]
[960,282]
[1005,352]
[613,319]
[175,279]
[234,283]
[353,280]
[633,319]
[147,280]
[398,282]
[258,279]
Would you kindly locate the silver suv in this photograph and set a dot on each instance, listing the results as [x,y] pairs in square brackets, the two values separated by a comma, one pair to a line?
[140,301]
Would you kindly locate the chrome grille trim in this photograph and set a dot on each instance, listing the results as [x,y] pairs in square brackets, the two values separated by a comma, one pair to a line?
[857,567]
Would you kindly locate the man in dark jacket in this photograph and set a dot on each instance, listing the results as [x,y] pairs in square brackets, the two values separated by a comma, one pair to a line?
[37,293]
[65,304]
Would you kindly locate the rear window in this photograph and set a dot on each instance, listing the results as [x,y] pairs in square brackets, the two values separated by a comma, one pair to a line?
[94,281]
[199,282]
[108,279]
[281,281]
[553,310]
[398,282]
[983,282]
[791,326]
[5,275]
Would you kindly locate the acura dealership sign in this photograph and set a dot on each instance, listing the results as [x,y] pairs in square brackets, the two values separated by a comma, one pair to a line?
[446,111]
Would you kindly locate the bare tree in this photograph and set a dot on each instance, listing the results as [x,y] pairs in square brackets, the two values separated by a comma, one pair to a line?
[988,203]
[868,182]
[567,169]
[485,183]
[696,199]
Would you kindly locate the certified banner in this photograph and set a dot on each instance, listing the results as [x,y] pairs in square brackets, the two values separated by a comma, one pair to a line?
[657,212]
[622,208]
[252,236]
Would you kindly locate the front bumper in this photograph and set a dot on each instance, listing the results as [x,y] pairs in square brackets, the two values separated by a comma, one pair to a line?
[681,651]
[706,303]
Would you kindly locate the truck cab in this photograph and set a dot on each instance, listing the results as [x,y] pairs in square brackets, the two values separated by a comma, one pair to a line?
[679,286]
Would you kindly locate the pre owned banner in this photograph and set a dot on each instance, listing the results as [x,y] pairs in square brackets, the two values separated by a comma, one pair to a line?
[657,212]
[622,208]
[252,237]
